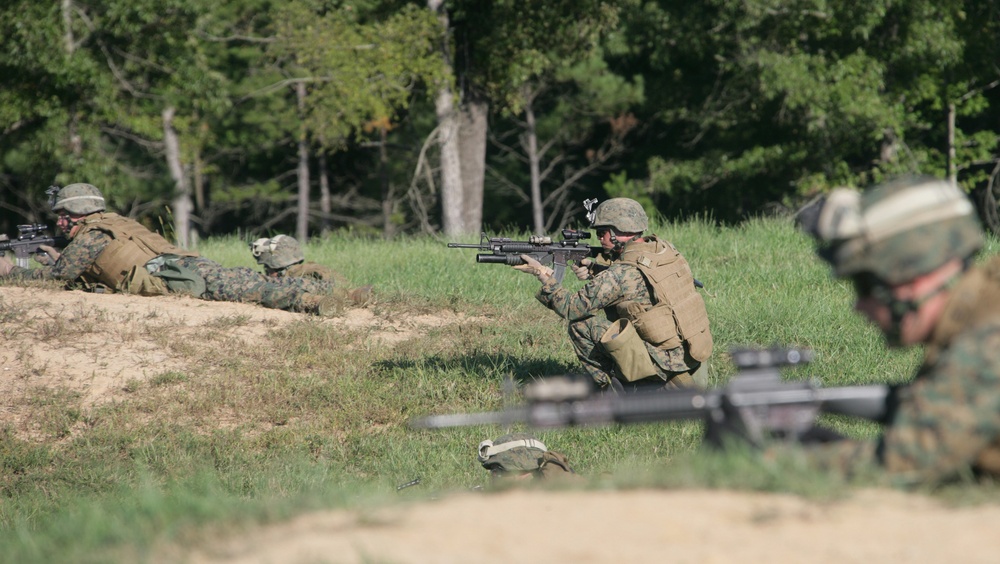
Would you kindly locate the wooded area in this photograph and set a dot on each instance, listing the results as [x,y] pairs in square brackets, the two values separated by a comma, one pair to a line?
[447,116]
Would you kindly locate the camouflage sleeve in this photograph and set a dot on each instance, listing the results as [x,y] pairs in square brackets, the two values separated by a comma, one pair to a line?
[949,415]
[847,457]
[943,420]
[74,260]
[603,290]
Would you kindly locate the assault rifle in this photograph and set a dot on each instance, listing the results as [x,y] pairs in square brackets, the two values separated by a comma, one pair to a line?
[30,237]
[756,404]
[503,250]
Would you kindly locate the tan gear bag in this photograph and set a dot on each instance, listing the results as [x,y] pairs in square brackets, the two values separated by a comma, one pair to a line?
[628,351]
[140,282]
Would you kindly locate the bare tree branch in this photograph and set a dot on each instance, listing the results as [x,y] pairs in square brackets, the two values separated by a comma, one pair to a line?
[517,190]
[121,77]
[153,145]
[233,38]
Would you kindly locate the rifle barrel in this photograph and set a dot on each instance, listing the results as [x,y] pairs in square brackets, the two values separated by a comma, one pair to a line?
[506,417]
[868,402]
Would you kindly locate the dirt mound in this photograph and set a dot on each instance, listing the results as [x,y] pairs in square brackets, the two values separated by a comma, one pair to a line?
[630,526]
[95,345]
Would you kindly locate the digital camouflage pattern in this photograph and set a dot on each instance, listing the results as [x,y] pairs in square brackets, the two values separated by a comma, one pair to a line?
[277,252]
[223,284]
[947,421]
[624,214]
[582,309]
[78,199]
[317,278]
[242,284]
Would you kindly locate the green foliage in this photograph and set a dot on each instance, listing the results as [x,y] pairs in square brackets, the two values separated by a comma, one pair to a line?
[773,101]
[358,72]
[513,43]
[733,107]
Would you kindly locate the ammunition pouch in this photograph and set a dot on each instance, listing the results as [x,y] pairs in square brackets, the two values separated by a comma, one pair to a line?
[140,282]
[657,326]
[628,351]
[692,325]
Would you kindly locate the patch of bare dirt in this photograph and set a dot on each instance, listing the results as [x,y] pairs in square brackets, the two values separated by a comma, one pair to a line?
[94,345]
[630,526]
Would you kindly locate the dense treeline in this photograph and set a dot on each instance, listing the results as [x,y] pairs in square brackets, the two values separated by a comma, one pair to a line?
[392,117]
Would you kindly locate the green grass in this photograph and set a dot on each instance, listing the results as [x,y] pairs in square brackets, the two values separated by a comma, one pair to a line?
[315,417]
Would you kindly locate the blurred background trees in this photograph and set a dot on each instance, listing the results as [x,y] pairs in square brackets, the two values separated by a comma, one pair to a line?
[451,116]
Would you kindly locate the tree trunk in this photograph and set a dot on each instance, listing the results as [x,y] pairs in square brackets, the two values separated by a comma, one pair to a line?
[302,218]
[537,211]
[199,184]
[952,166]
[388,205]
[73,138]
[67,17]
[182,190]
[324,194]
[473,160]
[448,137]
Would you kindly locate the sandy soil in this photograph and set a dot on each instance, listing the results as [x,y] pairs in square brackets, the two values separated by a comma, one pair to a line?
[514,526]
[94,345]
[631,526]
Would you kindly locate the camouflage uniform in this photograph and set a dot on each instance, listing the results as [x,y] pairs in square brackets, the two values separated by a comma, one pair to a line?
[283,260]
[946,422]
[610,287]
[222,284]
[948,419]
[312,276]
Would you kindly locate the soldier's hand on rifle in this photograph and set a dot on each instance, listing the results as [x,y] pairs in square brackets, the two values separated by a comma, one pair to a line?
[5,266]
[582,268]
[48,256]
[532,266]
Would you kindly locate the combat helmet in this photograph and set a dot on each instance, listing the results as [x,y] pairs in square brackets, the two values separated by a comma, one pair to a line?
[277,252]
[624,214]
[896,231]
[77,199]
[516,452]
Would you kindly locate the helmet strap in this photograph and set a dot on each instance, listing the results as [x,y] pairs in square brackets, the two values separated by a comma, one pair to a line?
[619,246]
[899,308]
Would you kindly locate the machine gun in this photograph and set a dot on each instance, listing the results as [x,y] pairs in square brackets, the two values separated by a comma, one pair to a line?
[503,250]
[30,237]
[756,405]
